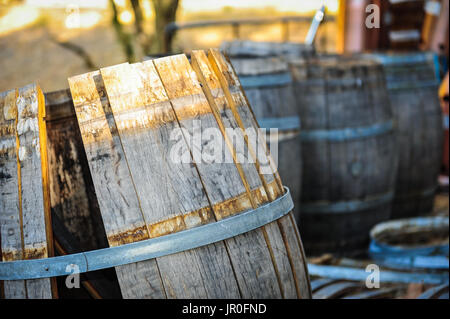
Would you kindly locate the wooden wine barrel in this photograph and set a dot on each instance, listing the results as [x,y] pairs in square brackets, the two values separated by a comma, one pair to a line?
[128,115]
[348,152]
[413,91]
[267,83]
[265,49]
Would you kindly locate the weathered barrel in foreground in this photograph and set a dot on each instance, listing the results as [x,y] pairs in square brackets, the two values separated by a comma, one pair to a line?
[149,184]
[348,152]
[413,91]
[267,83]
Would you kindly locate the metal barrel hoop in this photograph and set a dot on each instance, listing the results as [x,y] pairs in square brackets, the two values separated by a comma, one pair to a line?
[347,134]
[150,248]
[265,80]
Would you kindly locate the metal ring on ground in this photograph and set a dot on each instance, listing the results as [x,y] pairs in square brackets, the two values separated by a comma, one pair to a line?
[360,274]
[150,248]
[346,206]
[346,134]
[431,224]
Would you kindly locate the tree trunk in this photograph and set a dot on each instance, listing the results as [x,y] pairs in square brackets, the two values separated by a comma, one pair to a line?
[165,13]
[124,38]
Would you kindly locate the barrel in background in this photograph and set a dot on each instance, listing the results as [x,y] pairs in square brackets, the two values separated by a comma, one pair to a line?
[413,91]
[349,152]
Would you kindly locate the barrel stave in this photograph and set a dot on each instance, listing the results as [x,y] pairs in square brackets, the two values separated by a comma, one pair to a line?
[413,91]
[274,98]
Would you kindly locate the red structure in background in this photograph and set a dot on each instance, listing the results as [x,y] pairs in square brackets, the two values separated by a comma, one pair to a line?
[443,94]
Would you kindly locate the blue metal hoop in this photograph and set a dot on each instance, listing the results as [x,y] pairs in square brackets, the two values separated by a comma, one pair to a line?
[346,206]
[150,248]
[289,123]
[347,134]
[265,80]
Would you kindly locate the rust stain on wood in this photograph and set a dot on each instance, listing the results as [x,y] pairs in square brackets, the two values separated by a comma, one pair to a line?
[127,237]
[36,253]
[11,255]
[181,222]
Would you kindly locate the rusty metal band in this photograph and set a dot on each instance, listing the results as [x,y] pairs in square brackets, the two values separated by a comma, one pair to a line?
[346,206]
[265,80]
[346,134]
[150,248]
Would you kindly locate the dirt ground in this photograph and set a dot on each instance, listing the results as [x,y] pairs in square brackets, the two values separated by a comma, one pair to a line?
[31,55]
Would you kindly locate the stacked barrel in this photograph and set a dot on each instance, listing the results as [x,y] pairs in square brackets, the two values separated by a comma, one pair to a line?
[413,90]
[369,142]
[350,153]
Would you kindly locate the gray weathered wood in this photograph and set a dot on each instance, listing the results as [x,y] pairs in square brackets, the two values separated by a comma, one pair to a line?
[131,113]
[171,194]
[227,190]
[35,199]
[227,122]
[118,201]
[10,222]
[26,223]
[270,178]
[417,111]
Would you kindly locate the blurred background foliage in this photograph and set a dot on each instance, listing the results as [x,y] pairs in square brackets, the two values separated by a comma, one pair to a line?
[46,41]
